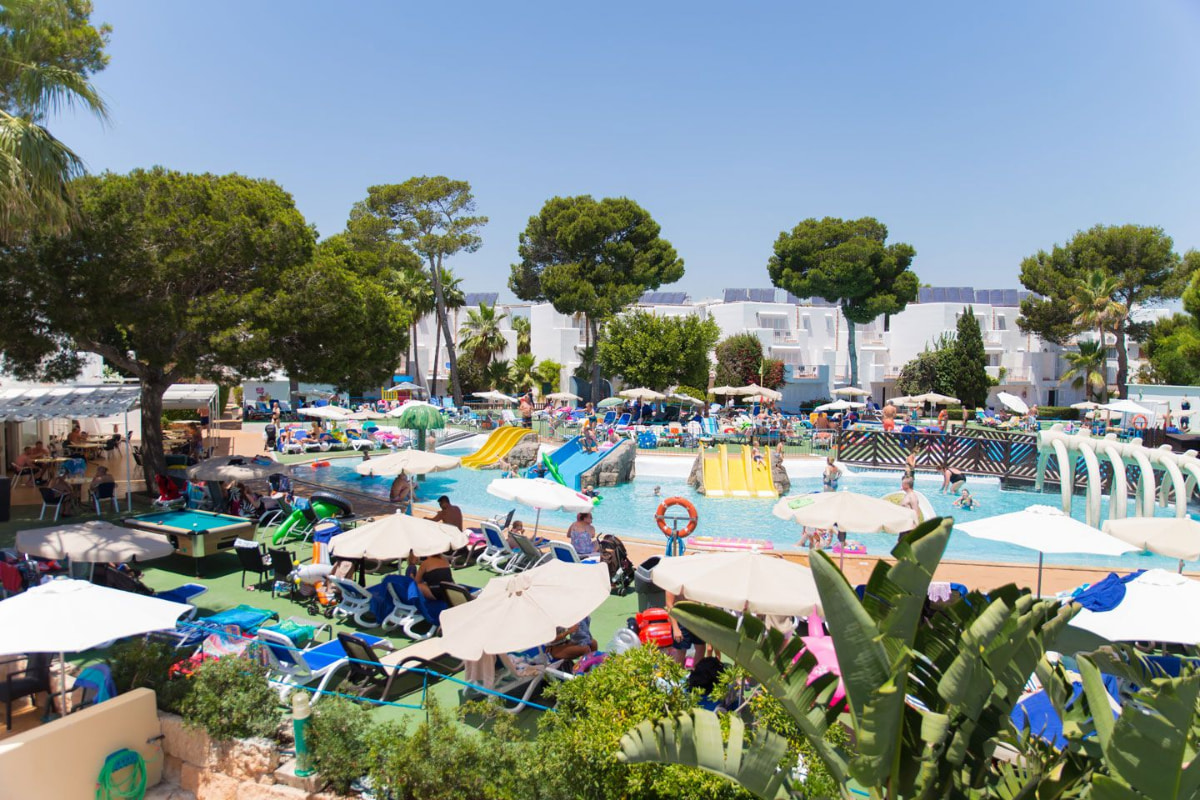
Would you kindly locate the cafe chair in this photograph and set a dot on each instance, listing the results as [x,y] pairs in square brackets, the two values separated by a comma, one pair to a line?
[106,491]
[51,499]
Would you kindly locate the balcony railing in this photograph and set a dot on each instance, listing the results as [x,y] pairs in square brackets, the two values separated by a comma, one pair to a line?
[799,373]
[784,337]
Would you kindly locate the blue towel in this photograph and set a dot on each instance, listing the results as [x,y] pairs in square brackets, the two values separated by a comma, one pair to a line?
[1039,712]
[248,618]
[406,589]
[1107,594]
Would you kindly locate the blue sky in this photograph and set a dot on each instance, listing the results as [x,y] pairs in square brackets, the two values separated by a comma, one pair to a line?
[978,133]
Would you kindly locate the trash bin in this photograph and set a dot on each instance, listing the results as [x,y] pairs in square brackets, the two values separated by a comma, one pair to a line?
[649,595]
[5,498]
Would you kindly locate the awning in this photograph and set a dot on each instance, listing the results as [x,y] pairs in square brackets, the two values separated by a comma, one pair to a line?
[82,402]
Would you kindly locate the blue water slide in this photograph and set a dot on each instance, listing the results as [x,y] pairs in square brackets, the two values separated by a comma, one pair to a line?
[572,462]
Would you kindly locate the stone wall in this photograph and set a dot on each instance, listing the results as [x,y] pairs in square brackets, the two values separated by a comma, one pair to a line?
[617,467]
[194,766]
[522,456]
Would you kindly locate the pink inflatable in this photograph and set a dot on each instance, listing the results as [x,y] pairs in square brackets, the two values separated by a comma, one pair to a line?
[820,645]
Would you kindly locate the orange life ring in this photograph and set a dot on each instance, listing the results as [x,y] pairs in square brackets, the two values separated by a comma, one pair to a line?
[728,430]
[1139,422]
[661,517]
[317,464]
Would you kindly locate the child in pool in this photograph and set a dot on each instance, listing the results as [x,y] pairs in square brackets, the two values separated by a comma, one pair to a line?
[966,502]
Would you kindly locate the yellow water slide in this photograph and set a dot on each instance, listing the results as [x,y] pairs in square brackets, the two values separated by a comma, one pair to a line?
[498,443]
[728,475]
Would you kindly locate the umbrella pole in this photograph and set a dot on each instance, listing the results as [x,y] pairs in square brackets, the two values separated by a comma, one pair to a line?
[1181,566]
[62,684]
[1041,556]
[536,521]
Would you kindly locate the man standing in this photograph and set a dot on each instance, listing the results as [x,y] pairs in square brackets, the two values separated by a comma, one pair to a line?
[889,417]
[526,405]
[911,502]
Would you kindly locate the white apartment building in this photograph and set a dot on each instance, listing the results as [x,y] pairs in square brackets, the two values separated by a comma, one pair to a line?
[427,338]
[810,337]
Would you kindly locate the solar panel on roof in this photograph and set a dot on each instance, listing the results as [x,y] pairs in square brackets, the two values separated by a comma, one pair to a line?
[1011,297]
[481,298]
[735,295]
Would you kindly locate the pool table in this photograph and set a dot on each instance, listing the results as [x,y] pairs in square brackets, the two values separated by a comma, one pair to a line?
[195,534]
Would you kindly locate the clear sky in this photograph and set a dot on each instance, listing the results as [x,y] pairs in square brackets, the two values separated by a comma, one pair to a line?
[978,132]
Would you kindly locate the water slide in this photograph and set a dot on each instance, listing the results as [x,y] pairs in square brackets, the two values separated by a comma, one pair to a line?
[498,443]
[726,475]
[570,462]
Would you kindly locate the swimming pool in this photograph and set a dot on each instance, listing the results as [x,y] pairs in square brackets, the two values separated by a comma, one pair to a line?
[628,510]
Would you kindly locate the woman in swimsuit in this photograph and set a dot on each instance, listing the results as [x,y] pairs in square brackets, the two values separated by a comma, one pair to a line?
[831,476]
[430,575]
[952,480]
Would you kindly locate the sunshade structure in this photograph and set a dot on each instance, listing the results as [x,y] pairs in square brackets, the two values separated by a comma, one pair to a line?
[494,396]
[840,405]
[904,400]
[851,391]
[67,616]
[849,511]
[420,417]
[726,390]
[1012,402]
[563,396]
[332,413]
[1173,537]
[236,468]
[1086,405]
[935,398]
[409,386]
[398,410]
[744,581]
[609,402]
[1125,406]
[685,399]
[94,542]
[642,394]
[1046,530]
[1158,606]
[541,494]
[754,389]
[394,536]
[524,610]
[412,462]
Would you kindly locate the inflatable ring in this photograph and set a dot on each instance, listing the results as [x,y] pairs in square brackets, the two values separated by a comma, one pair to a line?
[1139,422]
[317,464]
[337,502]
[661,517]
[729,430]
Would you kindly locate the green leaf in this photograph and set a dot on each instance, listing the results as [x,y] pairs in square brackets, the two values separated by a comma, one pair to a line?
[695,740]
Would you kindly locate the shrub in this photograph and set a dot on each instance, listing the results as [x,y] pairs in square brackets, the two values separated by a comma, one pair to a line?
[442,760]
[141,663]
[231,699]
[575,752]
[1058,412]
[340,733]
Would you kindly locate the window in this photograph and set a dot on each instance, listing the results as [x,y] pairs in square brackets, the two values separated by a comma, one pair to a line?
[774,322]
[1001,323]
[993,360]
[806,323]
[829,325]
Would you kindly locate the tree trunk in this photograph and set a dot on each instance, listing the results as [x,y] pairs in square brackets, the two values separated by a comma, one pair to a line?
[415,362]
[595,330]
[444,322]
[1122,361]
[437,351]
[154,461]
[851,351]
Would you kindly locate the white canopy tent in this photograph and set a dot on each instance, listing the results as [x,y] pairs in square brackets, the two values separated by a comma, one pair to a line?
[109,401]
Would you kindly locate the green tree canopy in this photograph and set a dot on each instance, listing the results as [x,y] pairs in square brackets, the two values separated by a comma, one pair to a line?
[168,276]
[1087,367]
[740,362]
[658,352]
[1172,344]
[931,370]
[481,336]
[969,362]
[849,263]
[434,216]
[592,257]
[1141,263]
[48,51]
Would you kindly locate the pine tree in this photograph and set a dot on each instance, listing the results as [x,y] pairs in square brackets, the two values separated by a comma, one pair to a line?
[971,382]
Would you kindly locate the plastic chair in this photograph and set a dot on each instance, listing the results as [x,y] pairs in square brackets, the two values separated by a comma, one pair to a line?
[106,491]
[253,560]
[51,499]
[26,682]
[282,564]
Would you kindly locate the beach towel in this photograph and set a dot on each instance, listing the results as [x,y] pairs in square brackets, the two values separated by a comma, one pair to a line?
[1107,594]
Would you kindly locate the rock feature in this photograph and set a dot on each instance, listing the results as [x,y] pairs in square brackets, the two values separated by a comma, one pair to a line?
[696,476]
[617,467]
[523,454]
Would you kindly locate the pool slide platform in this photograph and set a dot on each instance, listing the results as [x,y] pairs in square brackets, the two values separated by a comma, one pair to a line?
[568,463]
[727,475]
[498,443]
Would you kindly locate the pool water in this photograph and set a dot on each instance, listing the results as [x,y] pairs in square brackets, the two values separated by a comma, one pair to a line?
[628,510]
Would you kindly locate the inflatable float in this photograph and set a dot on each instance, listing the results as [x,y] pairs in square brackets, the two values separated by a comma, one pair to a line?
[324,505]
[850,548]
[729,543]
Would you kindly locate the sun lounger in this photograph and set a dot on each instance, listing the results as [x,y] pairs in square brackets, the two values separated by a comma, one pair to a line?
[529,551]
[565,551]
[412,611]
[498,556]
[398,673]
[289,668]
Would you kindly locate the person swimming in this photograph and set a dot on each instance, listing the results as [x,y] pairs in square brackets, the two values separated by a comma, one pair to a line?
[966,502]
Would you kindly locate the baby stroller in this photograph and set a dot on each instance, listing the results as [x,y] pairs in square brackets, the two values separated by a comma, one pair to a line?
[620,568]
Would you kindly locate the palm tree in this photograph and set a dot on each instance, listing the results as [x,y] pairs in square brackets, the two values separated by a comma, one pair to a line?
[1088,369]
[522,372]
[35,168]
[1092,302]
[497,374]
[481,336]
[452,298]
[416,293]
[522,326]
[548,372]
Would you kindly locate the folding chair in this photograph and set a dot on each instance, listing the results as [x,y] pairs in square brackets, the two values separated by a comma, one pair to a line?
[253,560]
[51,499]
[106,491]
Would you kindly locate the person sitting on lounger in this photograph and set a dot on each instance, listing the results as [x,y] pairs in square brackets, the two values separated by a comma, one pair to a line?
[402,493]
[582,534]
[574,642]
[966,502]
[429,574]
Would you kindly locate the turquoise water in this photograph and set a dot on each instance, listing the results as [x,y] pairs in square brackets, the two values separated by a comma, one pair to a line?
[628,510]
